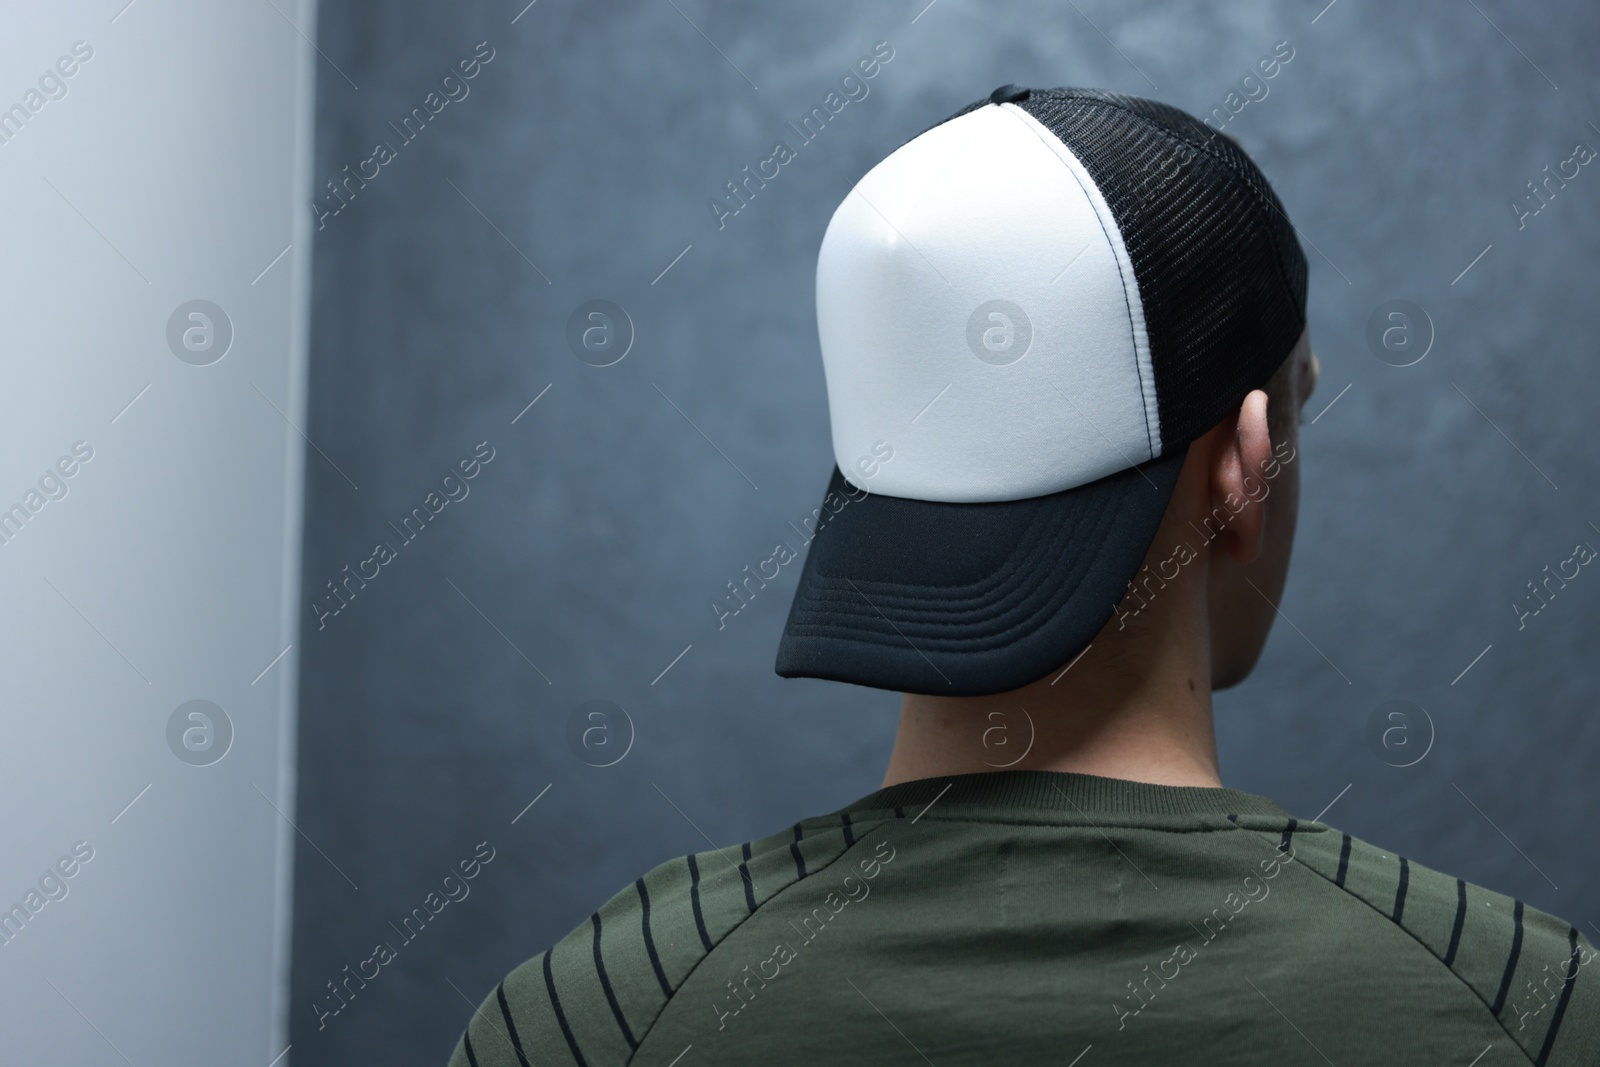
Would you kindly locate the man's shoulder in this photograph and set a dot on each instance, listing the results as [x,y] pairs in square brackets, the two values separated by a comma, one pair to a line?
[592,997]
[1529,968]
[1372,919]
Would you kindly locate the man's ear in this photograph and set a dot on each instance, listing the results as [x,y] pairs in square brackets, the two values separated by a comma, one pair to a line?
[1240,453]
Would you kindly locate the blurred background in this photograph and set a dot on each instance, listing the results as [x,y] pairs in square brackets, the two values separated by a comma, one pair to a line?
[391,393]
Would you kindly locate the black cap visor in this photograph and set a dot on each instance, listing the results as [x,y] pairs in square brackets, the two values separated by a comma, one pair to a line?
[968,599]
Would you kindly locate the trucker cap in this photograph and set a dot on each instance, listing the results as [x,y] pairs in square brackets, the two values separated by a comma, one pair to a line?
[1026,314]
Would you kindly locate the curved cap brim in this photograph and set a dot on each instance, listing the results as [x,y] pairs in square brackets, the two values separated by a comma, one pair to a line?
[968,599]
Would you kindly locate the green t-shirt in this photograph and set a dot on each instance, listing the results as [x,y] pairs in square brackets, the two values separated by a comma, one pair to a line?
[1026,917]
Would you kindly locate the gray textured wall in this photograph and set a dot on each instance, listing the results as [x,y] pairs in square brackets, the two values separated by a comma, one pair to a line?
[436,705]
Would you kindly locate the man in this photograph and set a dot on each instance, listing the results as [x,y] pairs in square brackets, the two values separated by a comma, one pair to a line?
[1064,339]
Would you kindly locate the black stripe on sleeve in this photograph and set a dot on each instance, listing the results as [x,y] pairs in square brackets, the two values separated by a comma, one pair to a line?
[1461,920]
[1344,862]
[1400,893]
[1233,818]
[849,838]
[649,940]
[561,1017]
[899,812]
[605,984]
[511,1026]
[1511,963]
[694,899]
[1566,994]
[1288,832]
[794,850]
[466,1043]
[744,876]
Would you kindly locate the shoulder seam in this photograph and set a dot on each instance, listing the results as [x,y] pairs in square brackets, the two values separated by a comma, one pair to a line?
[1434,955]
[859,840]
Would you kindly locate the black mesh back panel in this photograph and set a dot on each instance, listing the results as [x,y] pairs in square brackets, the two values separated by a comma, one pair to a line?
[1221,275]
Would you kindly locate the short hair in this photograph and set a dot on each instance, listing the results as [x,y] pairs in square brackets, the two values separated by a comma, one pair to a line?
[1283,408]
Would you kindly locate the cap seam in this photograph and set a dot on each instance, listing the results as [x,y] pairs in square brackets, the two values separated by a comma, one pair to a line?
[1138,368]
[1249,182]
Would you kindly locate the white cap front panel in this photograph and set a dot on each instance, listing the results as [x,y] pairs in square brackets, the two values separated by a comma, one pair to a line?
[981,328]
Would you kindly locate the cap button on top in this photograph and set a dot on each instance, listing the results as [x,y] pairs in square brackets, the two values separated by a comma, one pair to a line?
[1008,94]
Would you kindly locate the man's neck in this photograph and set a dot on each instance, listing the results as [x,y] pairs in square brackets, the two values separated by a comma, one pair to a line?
[1137,709]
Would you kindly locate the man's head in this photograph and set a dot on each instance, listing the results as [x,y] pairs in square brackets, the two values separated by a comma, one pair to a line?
[1049,325]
